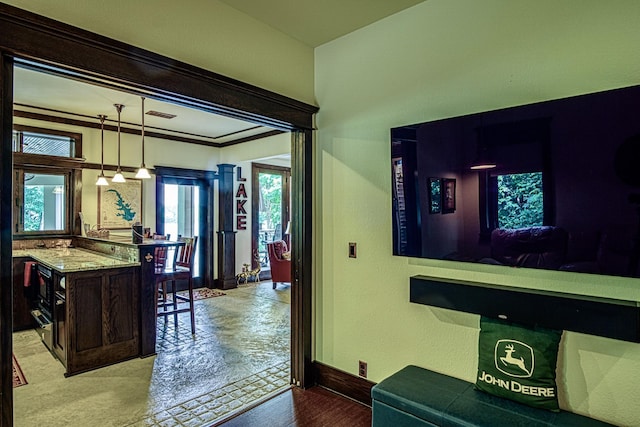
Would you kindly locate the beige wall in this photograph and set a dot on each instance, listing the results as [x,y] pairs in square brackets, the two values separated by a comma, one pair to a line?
[438,59]
[205,33]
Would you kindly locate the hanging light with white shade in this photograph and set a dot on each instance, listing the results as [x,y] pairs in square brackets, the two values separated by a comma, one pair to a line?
[118,177]
[102,180]
[143,173]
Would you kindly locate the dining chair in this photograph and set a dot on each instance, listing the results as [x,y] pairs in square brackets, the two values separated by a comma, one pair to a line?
[179,269]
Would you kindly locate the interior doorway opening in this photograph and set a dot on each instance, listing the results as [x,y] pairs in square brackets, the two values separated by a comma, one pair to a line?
[187,84]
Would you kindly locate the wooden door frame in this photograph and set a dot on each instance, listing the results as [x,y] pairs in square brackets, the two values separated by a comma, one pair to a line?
[78,53]
[204,181]
[256,169]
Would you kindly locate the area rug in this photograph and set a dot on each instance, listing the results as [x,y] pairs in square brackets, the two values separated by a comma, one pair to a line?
[202,293]
[18,376]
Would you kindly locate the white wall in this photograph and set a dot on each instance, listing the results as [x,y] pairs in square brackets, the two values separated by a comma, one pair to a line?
[161,152]
[158,152]
[269,150]
[439,59]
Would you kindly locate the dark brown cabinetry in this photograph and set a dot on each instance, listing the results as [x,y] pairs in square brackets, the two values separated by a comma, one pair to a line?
[22,318]
[96,321]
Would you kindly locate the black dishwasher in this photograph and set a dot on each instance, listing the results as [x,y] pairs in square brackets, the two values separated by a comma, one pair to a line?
[44,303]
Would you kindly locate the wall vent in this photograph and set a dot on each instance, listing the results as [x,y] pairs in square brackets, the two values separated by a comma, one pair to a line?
[160,114]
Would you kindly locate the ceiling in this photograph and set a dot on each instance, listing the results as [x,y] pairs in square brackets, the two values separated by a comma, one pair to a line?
[51,95]
[315,22]
[312,22]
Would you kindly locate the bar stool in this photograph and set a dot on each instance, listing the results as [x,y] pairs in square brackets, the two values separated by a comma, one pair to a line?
[166,276]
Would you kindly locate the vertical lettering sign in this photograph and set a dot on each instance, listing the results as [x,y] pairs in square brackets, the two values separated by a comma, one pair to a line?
[241,200]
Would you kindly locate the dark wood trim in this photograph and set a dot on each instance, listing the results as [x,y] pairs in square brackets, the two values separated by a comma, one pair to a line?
[255,201]
[6,264]
[356,388]
[83,117]
[147,301]
[37,160]
[110,128]
[159,206]
[72,169]
[226,232]
[77,137]
[252,138]
[82,54]
[301,252]
[185,173]
[204,181]
[277,168]
[76,203]
[148,133]
[73,196]
[285,172]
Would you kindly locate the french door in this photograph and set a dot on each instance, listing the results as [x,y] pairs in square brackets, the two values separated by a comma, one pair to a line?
[182,210]
[270,210]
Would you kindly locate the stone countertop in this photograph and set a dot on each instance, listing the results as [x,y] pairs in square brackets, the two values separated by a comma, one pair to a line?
[127,240]
[69,260]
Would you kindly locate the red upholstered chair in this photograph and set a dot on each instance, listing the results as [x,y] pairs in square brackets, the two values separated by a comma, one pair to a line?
[280,266]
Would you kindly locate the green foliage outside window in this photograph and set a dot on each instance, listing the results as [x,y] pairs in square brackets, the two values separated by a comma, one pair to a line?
[33,207]
[271,200]
[520,201]
[270,210]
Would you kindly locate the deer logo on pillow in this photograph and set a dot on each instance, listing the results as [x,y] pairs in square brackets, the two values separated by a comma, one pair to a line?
[514,358]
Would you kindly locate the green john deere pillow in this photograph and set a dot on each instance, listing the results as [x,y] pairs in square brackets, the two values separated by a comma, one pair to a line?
[518,363]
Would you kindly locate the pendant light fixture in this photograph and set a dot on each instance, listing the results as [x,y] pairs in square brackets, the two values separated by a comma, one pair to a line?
[143,173]
[102,180]
[484,160]
[118,177]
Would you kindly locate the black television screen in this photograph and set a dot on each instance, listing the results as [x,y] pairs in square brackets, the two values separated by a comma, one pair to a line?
[553,185]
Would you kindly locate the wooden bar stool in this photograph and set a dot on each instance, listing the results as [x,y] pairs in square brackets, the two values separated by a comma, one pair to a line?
[181,268]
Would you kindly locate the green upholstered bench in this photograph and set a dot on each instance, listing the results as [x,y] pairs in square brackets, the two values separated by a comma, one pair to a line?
[418,397]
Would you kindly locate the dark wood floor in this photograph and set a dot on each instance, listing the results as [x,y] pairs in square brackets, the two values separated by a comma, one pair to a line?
[313,407]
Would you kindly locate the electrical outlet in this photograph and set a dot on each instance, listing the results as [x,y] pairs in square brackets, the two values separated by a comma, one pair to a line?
[352,250]
[362,369]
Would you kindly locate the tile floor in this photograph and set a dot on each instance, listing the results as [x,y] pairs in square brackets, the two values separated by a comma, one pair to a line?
[238,357]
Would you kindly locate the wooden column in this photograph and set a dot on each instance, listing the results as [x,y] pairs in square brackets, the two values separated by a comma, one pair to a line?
[147,300]
[301,250]
[226,233]
[6,227]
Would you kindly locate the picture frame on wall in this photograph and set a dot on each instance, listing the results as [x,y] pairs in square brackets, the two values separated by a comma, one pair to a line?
[435,195]
[448,195]
[120,204]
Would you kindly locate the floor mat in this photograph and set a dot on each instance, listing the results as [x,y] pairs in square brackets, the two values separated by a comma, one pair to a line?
[202,293]
[18,376]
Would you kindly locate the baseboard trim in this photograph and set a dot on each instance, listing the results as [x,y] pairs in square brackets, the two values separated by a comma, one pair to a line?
[349,385]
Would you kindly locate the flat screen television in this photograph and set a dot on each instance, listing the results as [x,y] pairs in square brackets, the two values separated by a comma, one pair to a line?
[553,185]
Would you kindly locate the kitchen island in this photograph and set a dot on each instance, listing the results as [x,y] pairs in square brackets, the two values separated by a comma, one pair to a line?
[98,295]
